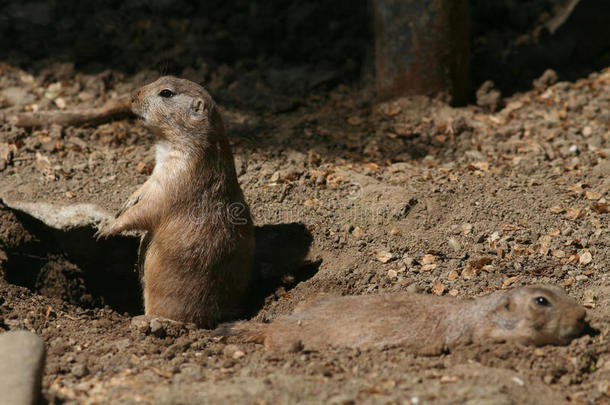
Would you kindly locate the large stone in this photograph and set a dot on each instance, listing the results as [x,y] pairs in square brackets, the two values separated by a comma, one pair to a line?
[22,355]
[63,217]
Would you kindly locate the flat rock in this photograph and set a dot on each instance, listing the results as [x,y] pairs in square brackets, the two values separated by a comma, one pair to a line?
[22,355]
[62,217]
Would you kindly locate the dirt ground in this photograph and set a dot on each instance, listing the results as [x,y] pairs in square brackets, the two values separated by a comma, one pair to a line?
[350,196]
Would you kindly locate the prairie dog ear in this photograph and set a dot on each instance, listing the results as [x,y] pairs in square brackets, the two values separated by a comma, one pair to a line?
[198,106]
[504,314]
[507,304]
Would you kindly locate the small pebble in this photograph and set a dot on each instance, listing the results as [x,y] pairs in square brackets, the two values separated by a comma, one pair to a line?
[156,328]
[414,289]
[357,232]
[140,324]
[384,256]
[548,78]
[454,244]
[232,350]
[489,97]
[518,381]
[275,177]
[342,399]
[585,258]
[79,370]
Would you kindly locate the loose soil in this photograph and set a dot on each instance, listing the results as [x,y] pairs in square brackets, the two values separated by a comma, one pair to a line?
[350,196]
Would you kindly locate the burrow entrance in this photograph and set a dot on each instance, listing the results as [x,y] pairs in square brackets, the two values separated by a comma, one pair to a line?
[70,264]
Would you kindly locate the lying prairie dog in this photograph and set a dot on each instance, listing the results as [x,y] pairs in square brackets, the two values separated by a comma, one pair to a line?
[199,247]
[529,315]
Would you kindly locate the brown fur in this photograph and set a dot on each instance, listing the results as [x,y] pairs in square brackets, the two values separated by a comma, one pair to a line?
[198,251]
[422,321]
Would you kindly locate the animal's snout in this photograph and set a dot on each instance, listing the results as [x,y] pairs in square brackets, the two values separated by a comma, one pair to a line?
[580,316]
[576,323]
[135,95]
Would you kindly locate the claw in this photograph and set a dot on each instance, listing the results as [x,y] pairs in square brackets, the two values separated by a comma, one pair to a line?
[103,232]
[99,235]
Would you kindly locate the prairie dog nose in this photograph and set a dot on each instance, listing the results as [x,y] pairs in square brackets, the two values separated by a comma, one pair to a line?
[581,315]
[134,96]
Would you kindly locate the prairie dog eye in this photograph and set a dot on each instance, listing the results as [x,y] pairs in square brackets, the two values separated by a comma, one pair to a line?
[166,93]
[542,302]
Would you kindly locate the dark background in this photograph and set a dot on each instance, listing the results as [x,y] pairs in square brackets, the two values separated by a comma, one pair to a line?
[293,46]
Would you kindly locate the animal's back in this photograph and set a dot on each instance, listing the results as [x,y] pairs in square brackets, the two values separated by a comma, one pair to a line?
[361,321]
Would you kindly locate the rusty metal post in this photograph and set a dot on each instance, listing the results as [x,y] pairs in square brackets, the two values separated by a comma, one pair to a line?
[422,47]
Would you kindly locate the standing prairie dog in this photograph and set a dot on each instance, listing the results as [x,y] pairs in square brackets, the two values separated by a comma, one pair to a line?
[199,246]
[528,315]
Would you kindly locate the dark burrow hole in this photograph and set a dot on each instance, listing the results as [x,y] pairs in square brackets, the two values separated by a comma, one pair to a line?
[72,266]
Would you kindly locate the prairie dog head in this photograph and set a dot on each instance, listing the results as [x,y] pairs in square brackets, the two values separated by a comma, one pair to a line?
[538,316]
[175,109]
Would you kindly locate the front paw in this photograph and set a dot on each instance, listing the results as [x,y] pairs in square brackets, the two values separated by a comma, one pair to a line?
[105,231]
[131,201]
